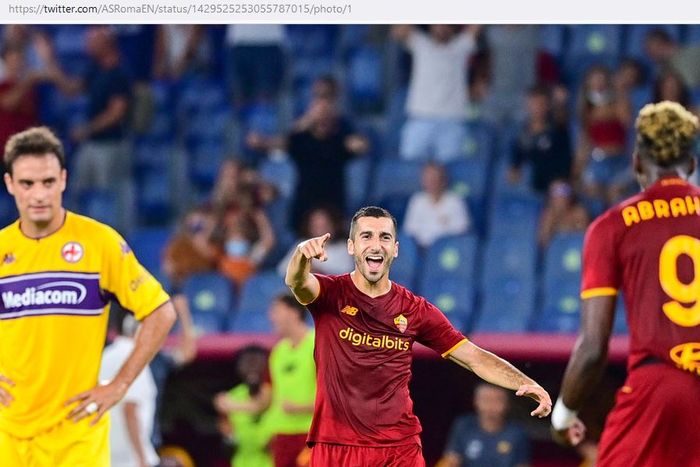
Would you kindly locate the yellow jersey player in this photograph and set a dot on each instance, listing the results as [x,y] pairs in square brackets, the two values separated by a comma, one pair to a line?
[58,272]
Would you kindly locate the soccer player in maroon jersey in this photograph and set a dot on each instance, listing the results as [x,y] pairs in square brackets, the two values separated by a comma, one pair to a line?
[365,328]
[648,247]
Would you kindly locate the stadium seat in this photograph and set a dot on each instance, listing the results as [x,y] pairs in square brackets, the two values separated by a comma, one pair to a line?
[396,177]
[507,305]
[154,197]
[148,244]
[262,118]
[512,256]
[562,261]
[210,298]
[204,161]
[479,143]
[449,258]
[552,39]
[281,173]
[101,205]
[591,44]
[8,212]
[515,214]
[692,34]
[454,298]
[256,297]
[357,178]
[405,267]
[561,310]
[365,79]
[469,179]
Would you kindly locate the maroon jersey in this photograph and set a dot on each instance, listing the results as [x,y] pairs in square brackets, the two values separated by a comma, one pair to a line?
[363,362]
[649,248]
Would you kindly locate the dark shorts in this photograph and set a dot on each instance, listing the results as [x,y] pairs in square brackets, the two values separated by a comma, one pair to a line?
[334,455]
[654,421]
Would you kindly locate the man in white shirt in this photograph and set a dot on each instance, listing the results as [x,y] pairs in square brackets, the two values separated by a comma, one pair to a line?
[434,212]
[132,418]
[437,92]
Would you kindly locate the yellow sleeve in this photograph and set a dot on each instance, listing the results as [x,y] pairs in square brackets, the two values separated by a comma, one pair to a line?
[129,282]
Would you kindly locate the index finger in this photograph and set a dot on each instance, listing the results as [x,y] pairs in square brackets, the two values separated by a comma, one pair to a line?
[325,238]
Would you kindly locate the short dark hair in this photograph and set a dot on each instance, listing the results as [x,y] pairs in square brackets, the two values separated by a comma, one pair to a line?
[289,301]
[371,211]
[33,141]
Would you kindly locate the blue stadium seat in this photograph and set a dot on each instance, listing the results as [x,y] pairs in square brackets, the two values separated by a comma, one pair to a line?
[480,142]
[262,118]
[620,323]
[562,260]
[256,297]
[365,79]
[507,305]
[552,39]
[515,214]
[396,177]
[259,291]
[353,36]
[512,256]
[8,212]
[592,44]
[469,179]
[454,298]
[561,311]
[396,117]
[357,178]
[210,298]
[150,155]
[155,198]
[450,258]
[200,95]
[204,162]
[405,266]
[148,244]
[281,173]
[101,205]
[312,40]
[692,34]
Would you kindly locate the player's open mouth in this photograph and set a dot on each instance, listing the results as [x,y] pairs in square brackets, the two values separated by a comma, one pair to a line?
[374,262]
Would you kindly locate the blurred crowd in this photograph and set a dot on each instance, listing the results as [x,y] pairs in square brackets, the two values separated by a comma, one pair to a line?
[242,140]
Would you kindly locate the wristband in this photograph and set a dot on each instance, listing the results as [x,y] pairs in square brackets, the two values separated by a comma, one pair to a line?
[562,416]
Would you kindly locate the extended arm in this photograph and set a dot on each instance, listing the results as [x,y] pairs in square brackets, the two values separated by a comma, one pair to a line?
[150,337]
[299,279]
[585,366]
[496,370]
[256,405]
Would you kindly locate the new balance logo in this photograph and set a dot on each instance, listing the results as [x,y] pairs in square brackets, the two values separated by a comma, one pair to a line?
[349,310]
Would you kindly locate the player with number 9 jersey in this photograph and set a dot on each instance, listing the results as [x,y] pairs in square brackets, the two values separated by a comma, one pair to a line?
[648,248]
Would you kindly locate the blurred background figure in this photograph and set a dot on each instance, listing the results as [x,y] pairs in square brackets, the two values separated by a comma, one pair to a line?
[434,212]
[543,143]
[132,418]
[293,375]
[601,160]
[179,50]
[245,409]
[563,213]
[318,222]
[437,92]
[488,437]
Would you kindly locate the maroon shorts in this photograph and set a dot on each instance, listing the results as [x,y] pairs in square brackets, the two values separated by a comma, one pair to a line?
[335,455]
[287,448]
[654,421]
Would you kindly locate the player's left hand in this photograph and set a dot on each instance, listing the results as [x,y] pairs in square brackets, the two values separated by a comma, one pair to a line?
[539,395]
[97,401]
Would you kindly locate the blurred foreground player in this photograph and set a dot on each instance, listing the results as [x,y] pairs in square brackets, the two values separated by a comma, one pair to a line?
[365,328]
[648,247]
[58,271]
